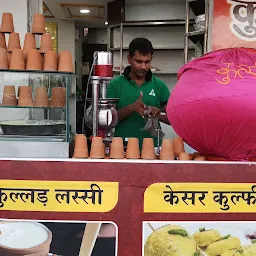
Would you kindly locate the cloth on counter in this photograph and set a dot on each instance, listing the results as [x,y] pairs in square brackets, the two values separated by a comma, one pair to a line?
[152,124]
[212,106]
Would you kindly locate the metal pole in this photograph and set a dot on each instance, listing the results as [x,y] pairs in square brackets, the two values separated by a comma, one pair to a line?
[109,38]
[121,47]
[95,109]
[103,89]
[186,33]
[206,26]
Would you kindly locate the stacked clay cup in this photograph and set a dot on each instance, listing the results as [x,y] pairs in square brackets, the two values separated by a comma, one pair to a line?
[133,149]
[167,150]
[117,148]
[25,96]
[41,99]
[148,150]
[81,148]
[97,148]
[58,99]
[9,97]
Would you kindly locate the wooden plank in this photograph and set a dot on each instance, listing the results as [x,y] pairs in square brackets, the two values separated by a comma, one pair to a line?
[90,235]
[82,5]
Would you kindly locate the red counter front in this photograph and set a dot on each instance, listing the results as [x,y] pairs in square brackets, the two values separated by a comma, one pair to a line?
[133,179]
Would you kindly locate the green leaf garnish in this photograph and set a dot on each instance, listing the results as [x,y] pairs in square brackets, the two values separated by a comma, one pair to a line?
[180,232]
[224,238]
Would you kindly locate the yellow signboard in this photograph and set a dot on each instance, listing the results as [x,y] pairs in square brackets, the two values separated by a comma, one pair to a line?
[200,198]
[58,196]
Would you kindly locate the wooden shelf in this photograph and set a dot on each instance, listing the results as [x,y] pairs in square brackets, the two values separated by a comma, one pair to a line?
[172,47]
[34,107]
[196,36]
[165,72]
[197,6]
[154,72]
[152,23]
[155,48]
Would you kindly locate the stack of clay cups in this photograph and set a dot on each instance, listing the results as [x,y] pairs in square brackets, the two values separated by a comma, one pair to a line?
[25,96]
[29,44]
[117,148]
[133,149]
[9,97]
[41,99]
[14,42]
[97,148]
[38,28]
[7,27]
[46,43]
[4,60]
[58,99]
[148,150]
[167,150]
[81,147]
[17,62]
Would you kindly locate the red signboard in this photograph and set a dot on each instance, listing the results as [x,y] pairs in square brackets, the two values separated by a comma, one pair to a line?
[137,201]
[234,24]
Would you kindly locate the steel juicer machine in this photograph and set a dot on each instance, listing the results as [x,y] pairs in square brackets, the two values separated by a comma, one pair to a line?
[102,116]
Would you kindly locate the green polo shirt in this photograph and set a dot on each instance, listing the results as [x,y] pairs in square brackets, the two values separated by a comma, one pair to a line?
[155,93]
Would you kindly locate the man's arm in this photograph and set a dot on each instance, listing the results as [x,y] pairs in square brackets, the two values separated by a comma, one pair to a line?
[138,106]
[124,112]
[162,116]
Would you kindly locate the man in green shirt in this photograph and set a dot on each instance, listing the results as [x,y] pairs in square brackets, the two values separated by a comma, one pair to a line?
[138,89]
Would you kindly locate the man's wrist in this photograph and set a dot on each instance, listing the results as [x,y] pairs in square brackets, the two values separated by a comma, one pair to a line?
[131,108]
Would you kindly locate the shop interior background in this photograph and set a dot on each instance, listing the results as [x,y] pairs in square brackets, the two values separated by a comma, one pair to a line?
[83,34]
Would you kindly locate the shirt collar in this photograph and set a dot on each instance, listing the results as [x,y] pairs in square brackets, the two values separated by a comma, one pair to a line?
[127,71]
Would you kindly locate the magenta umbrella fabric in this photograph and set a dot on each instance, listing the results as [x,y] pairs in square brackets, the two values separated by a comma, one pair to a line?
[213,105]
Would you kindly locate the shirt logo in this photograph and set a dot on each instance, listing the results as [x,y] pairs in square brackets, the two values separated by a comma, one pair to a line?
[152,93]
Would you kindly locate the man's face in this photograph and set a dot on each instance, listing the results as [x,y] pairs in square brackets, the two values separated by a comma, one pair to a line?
[140,64]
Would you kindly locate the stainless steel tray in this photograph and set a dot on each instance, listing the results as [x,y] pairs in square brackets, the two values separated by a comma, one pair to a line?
[33,127]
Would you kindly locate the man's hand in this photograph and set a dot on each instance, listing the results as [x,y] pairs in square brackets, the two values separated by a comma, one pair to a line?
[155,112]
[138,106]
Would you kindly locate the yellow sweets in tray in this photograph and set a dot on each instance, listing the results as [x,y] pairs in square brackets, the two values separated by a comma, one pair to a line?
[223,245]
[249,250]
[205,237]
[212,243]
[171,240]
[175,240]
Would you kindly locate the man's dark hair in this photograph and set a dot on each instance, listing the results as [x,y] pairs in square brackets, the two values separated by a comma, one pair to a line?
[142,45]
